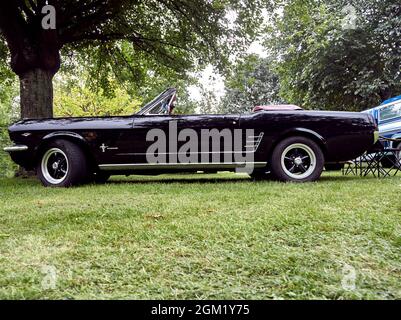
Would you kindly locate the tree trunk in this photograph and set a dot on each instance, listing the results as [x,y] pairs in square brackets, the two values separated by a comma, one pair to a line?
[36,90]
[385,94]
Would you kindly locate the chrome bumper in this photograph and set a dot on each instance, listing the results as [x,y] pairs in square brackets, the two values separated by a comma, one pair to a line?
[17,148]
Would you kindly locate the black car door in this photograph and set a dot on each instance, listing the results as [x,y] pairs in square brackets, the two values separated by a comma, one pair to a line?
[134,145]
[162,141]
[215,138]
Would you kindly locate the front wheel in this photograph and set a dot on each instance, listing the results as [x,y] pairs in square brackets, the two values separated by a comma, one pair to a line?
[62,164]
[297,159]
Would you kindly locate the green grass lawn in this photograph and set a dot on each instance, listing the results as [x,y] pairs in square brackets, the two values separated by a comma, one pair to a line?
[201,237]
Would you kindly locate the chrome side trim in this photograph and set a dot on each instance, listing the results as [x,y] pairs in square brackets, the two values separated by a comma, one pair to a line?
[17,148]
[186,153]
[164,166]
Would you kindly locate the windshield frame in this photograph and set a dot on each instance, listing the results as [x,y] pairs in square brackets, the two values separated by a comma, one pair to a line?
[149,106]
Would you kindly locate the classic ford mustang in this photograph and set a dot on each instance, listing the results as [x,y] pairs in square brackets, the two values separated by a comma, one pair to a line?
[286,143]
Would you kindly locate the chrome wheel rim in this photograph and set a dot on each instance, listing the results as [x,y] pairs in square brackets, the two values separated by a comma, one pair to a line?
[298,161]
[55,166]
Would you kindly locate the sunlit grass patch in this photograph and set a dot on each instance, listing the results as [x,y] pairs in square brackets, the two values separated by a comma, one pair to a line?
[201,236]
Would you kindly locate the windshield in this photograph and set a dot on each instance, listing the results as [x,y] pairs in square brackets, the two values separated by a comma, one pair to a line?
[390,112]
[159,105]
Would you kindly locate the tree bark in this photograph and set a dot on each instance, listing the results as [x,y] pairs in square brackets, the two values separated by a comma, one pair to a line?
[36,90]
[385,94]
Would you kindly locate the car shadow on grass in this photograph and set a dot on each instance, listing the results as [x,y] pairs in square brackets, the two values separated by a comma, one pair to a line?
[353,178]
[197,179]
[170,180]
[192,179]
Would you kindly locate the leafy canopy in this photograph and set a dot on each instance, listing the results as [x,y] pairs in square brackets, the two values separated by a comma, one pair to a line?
[140,35]
[251,82]
[324,63]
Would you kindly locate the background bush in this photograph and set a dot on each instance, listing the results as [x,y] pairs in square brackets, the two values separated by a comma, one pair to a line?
[9,105]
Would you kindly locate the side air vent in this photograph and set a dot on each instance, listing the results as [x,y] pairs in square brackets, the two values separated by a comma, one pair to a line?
[253,142]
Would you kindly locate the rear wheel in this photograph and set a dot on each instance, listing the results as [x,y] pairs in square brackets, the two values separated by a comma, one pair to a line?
[62,164]
[297,159]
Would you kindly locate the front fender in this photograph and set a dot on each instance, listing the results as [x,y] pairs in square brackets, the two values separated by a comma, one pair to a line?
[63,134]
[71,136]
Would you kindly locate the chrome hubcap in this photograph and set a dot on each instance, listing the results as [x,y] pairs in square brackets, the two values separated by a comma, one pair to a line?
[298,161]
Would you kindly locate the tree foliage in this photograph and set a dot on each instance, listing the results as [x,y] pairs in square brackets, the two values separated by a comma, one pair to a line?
[252,82]
[75,97]
[326,63]
[80,101]
[128,38]
[8,113]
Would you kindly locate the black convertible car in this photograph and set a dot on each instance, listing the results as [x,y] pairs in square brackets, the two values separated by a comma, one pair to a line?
[286,143]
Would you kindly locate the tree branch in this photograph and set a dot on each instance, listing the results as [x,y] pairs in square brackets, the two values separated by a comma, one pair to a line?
[28,12]
[101,11]
[12,24]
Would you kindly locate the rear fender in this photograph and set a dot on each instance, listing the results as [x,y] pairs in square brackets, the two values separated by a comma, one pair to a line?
[304,133]
[307,133]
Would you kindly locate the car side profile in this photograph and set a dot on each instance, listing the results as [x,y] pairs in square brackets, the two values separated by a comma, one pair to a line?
[287,144]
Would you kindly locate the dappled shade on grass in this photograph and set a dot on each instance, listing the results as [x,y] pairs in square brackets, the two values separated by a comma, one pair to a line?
[201,236]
